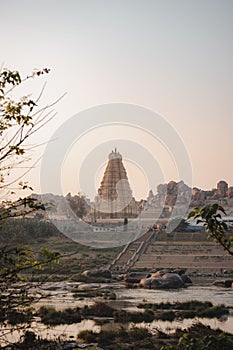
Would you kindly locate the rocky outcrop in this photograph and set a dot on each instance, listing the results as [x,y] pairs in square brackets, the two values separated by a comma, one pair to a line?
[98,273]
[166,281]
[230,192]
[222,187]
[220,192]
[186,279]
[173,195]
[135,277]
[172,192]
[226,283]
[88,286]
[198,196]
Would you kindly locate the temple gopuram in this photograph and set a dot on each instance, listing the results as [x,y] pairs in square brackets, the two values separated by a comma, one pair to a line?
[114,199]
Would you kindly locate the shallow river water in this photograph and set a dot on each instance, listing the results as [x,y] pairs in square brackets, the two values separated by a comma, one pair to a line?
[128,299]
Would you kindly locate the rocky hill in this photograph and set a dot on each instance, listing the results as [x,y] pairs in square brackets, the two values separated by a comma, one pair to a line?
[178,194]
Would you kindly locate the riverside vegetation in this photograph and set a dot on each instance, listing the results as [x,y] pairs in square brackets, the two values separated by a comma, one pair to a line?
[163,311]
[197,337]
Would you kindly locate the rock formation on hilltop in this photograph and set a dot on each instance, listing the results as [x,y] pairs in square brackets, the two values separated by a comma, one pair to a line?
[174,195]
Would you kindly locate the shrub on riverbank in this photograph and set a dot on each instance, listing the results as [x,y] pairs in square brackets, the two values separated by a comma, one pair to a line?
[197,337]
[99,309]
[136,338]
[52,317]
[123,316]
[163,311]
[188,309]
[200,337]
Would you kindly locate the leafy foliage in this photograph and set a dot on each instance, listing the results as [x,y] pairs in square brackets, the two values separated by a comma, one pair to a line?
[16,291]
[211,216]
[19,120]
[202,338]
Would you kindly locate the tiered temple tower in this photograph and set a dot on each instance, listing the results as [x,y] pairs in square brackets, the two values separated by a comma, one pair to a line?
[114,199]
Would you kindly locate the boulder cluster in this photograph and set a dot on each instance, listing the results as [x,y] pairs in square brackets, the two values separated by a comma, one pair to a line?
[178,193]
[159,280]
[163,279]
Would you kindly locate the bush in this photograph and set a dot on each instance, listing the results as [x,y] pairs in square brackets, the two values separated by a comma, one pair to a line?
[167,316]
[99,309]
[215,311]
[123,316]
[88,336]
[139,333]
[52,317]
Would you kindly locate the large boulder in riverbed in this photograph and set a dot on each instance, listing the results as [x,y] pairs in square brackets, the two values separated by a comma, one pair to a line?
[88,286]
[98,273]
[186,279]
[227,283]
[135,277]
[167,281]
[146,282]
[159,273]
[172,280]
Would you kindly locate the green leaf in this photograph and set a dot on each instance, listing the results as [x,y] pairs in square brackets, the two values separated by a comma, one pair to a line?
[191,214]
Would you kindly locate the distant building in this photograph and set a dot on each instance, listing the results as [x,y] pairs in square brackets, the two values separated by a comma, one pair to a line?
[114,199]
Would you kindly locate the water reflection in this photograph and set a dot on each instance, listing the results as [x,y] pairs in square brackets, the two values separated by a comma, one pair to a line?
[202,293]
[62,332]
[225,325]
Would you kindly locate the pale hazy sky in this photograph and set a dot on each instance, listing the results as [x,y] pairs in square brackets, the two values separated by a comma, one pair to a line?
[174,57]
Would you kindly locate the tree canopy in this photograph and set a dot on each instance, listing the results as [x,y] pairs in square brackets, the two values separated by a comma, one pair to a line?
[20,119]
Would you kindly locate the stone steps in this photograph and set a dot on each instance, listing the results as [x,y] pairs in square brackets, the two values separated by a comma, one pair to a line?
[199,263]
[169,251]
[122,260]
[184,248]
[201,256]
